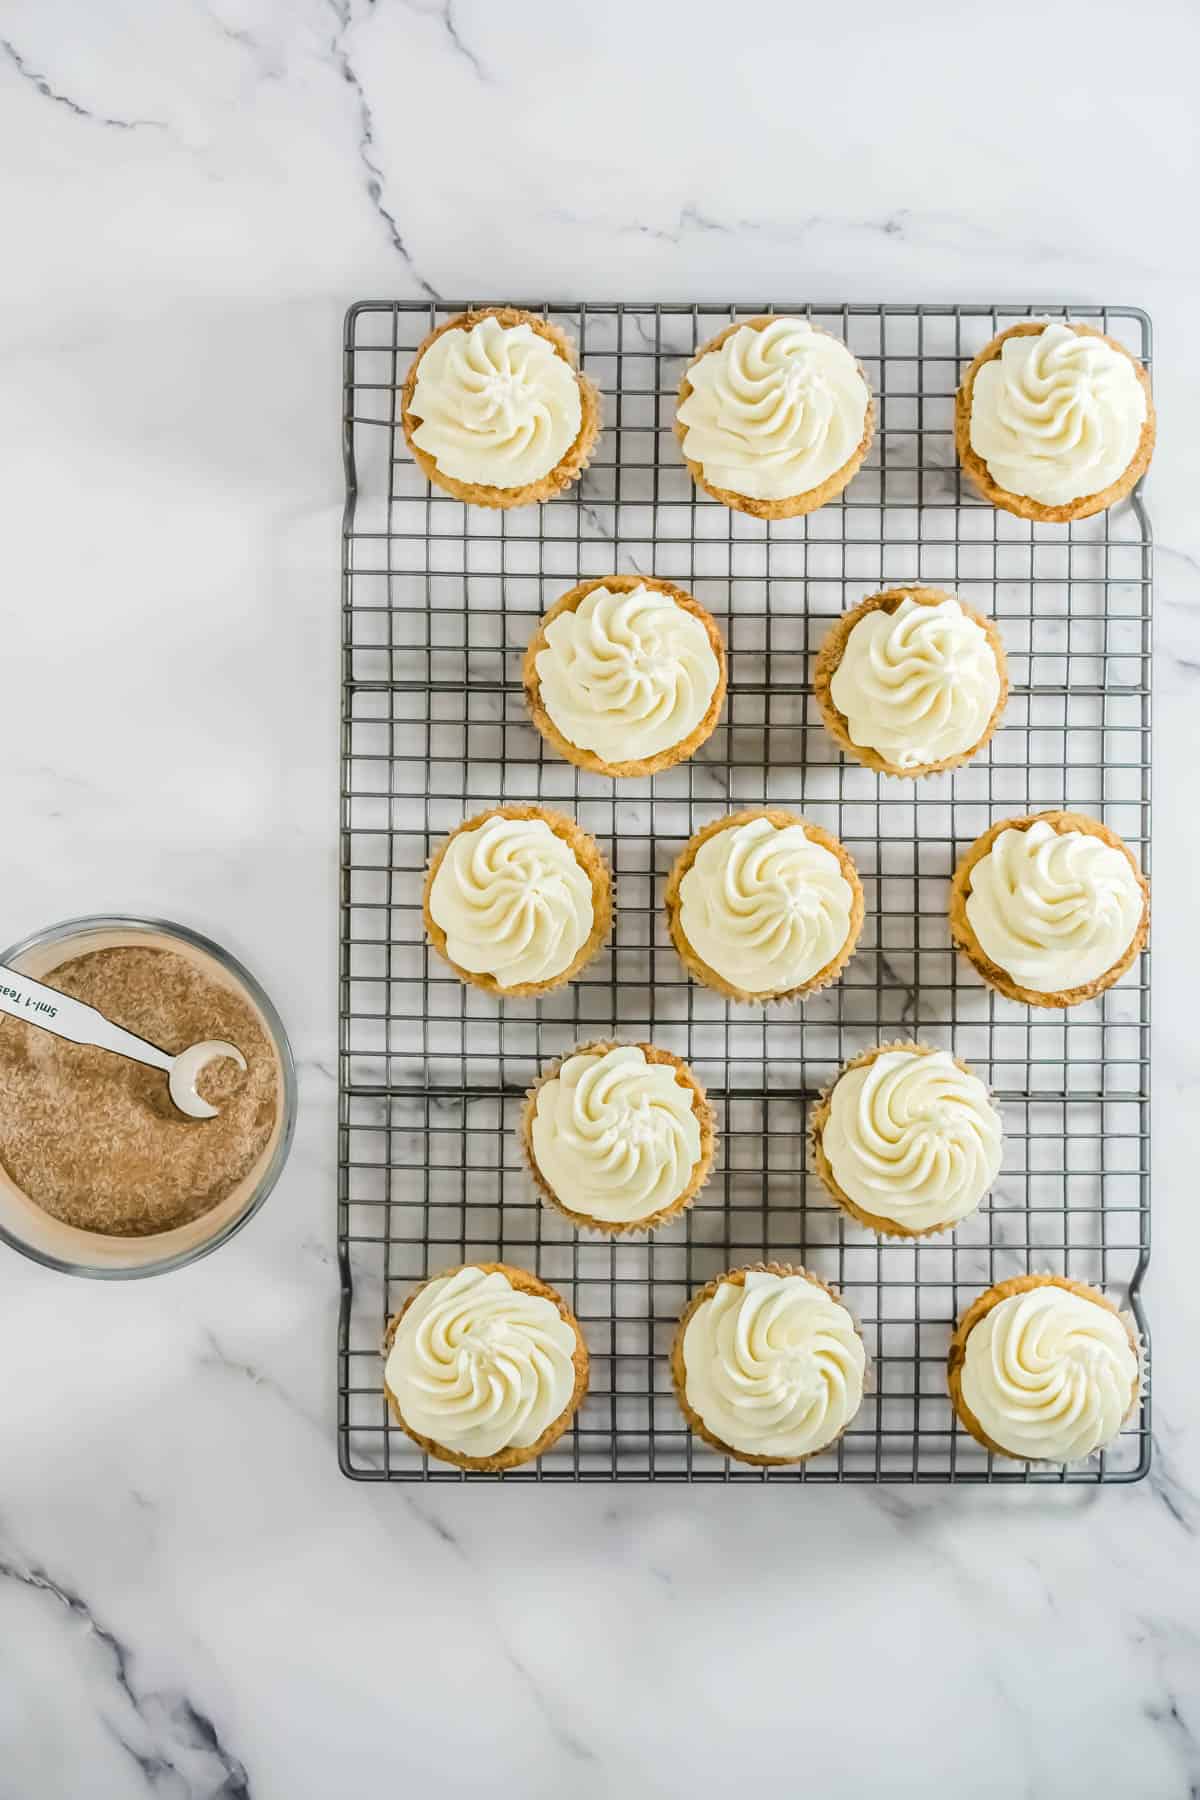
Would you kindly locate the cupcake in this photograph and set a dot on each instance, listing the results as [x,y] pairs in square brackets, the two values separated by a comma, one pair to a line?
[485,1366]
[907,1140]
[625,675]
[1051,908]
[1054,421]
[495,410]
[517,900]
[619,1137]
[774,417]
[912,682]
[1044,1369]
[764,906]
[768,1365]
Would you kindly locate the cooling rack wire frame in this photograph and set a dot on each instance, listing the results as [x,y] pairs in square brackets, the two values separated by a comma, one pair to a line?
[439,601]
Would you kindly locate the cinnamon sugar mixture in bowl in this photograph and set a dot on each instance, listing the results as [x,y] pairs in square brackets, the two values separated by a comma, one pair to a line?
[99,1172]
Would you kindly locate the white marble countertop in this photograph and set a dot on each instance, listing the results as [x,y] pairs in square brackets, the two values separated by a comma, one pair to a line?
[193,1602]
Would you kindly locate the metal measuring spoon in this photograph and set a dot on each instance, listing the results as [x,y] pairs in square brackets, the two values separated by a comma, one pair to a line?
[79,1024]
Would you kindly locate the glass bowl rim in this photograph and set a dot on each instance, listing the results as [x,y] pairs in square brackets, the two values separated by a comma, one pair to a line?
[65,928]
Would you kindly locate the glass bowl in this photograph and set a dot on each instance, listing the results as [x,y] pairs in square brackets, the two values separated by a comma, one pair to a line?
[35,1233]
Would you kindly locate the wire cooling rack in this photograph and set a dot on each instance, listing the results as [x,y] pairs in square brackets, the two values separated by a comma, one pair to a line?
[439,601]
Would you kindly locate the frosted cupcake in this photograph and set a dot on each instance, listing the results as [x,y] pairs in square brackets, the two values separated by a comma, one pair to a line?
[907,1141]
[625,675]
[912,681]
[1044,1369]
[775,417]
[1054,421]
[495,411]
[764,905]
[517,900]
[768,1365]
[485,1366]
[1051,908]
[619,1137]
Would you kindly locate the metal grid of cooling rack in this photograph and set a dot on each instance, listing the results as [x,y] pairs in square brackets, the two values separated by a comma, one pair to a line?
[439,601]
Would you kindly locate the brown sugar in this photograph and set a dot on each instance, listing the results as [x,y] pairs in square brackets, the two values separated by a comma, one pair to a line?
[95,1139]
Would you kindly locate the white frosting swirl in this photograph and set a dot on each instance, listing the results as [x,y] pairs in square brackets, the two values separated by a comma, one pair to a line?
[776,412]
[627,674]
[912,1138]
[615,1136]
[513,900]
[498,404]
[1057,415]
[765,906]
[479,1366]
[1050,1375]
[774,1367]
[918,684]
[1055,909]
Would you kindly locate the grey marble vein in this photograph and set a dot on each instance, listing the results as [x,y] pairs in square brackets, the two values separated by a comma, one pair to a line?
[1169,1488]
[561,1733]
[433,1522]
[690,220]
[271,66]
[367,149]
[894,978]
[217,1357]
[590,509]
[173,1724]
[1173,1654]
[41,83]
[444,13]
